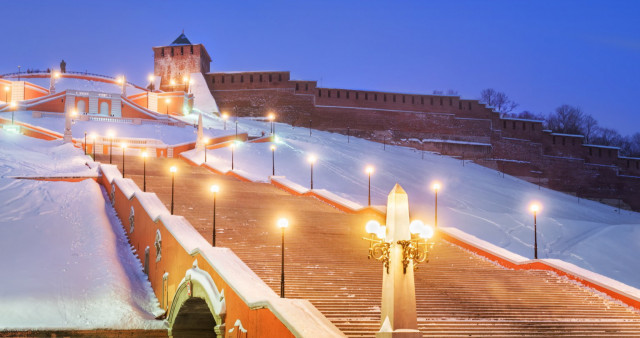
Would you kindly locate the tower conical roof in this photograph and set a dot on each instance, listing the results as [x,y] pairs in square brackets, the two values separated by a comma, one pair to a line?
[181,40]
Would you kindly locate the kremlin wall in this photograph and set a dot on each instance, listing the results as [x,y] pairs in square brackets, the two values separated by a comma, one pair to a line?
[449,125]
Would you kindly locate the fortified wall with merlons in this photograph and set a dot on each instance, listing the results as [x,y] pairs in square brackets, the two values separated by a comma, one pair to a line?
[450,125]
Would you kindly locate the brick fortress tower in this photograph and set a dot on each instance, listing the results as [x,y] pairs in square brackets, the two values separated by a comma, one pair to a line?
[177,60]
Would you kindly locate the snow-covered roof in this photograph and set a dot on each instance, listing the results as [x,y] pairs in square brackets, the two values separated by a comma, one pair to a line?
[519,119]
[600,146]
[567,135]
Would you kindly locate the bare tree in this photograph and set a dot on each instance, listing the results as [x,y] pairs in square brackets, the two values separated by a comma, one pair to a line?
[566,119]
[589,127]
[634,145]
[452,92]
[525,114]
[498,100]
[608,137]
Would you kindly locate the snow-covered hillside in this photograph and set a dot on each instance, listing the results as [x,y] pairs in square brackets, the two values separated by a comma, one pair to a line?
[473,198]
[80,84]
[65,262]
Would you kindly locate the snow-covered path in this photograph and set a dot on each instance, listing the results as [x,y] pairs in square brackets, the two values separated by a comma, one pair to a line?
[473,198]
[65,262]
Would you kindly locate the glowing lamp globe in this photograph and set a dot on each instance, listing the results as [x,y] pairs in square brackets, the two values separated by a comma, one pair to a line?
[273,148]
[372,227]
[312,159]
[416,227]
[436,186]
[173,169]
[215,188]
[427,232]
[535,207]
[382,232]
[369,170]
[283,223]
[144,154]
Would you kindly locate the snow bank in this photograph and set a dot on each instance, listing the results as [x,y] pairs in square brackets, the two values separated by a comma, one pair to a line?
[152,205]
[203,101]
[127,186]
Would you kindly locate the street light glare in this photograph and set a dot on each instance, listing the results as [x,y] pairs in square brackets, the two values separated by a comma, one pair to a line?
[273,148]
[369,170]
[151,78]
[167,101]
[535,207]
[372,227]
[6,88]
[206,140]
[93,136]
[225,116]
[283,223]
[215,188]
[173,169]
[124,145]
[271,116]
[427,232]
[172,82]
[436,186]
[145,154]
[13,104]
[110,133]
[416,227]
[312,159]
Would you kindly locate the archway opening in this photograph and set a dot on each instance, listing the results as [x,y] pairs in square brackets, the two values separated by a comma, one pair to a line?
[104,109]
[194,319]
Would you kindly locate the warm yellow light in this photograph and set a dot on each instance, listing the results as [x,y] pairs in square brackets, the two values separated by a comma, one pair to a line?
[167,101]
[271,116]
[173,169]
[225,116]
[535,207]
[436,186]
[13,104]
[120,79]
[145,154]
[206,140]
[232,145]
[283,223]
[93,136]
[273,148]
[372,227]
[110,133]
[151,78]
[56,75]
[369,170]
[184,79]
[74,112]
[312,159]
[124,146]
[6,88]
[215,188]
[190,81]
[172,82]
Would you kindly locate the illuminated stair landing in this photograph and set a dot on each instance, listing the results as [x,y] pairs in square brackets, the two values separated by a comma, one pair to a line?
[458,293]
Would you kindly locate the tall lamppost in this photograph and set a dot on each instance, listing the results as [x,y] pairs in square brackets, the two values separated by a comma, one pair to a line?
[312,159]
[84,145]
[13,107]
[271,117]
[124,148]
[225,117]
[369,171]
[273,160]
[206,141]
[173,170]
[111,135]
[166,104]
[144,171]
[232,146]
[93,148]
[6,93]
[283,223]
[535,208]
[348,134]
[214,190]
[236,128]
[310,127]
[436,187]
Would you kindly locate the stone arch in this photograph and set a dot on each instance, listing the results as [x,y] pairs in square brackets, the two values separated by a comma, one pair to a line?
[198,309]
[80,106]
[104,108]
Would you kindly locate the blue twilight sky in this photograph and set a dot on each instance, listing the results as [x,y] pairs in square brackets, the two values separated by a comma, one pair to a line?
[542,53]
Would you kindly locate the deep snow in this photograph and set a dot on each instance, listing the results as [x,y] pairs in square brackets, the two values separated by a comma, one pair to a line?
[473,198]
[65,262]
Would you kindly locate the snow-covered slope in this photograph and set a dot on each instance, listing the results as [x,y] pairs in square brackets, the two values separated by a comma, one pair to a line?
[473,198]
[65,262]
[203,101]
[63,84]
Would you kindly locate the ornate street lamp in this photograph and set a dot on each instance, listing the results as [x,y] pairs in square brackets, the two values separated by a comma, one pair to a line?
[369,171]
[535,207]
[144,170]
[225,117]
[271,117]
[214,189]
[283,223]
[173,170]
[312,159]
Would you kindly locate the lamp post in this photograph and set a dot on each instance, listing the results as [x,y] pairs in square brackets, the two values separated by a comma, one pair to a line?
[13,106]
[185,80]
[173,170]
[273,160]
[110,134]
[6,93]
[206,141]
[436,187]
[384,142]
[369,171]
[19,72]
[172,83]
[166,104]
[225,116]
[236,129]
[93,148]
[214,190]
[283,223]
[312,159]
[348,134]
[124,148]
[144,171]
[232,146]
[310,127]
[535,208]
[271,117]
[84,145]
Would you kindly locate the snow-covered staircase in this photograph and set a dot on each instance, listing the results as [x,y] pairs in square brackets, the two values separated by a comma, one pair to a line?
[458,293]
